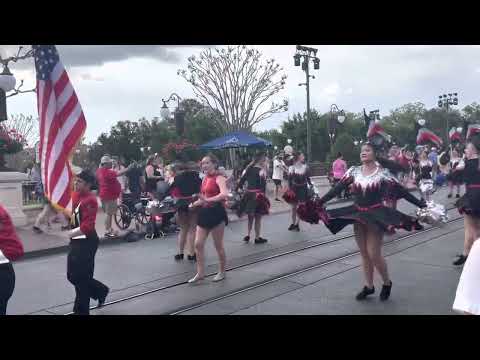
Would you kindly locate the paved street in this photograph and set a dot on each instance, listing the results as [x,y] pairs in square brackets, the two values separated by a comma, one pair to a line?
[132,268]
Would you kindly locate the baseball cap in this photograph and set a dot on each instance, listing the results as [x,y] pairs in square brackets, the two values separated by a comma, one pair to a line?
[105,159]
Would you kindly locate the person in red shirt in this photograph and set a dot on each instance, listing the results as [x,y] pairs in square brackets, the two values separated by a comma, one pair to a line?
[83,247]
[10,250]
[109,191]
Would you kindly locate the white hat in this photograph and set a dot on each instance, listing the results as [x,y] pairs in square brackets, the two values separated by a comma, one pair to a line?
[105,159]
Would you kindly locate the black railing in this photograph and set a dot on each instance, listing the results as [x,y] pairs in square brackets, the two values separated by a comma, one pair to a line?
[32,193]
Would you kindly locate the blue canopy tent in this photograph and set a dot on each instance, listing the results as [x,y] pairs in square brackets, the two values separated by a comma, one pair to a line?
[235,139]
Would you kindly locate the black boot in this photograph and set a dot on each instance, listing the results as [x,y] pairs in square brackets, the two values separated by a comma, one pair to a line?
[461,260]
[101,300]
[179,257]
[260,240]
[362,295]
[385,293]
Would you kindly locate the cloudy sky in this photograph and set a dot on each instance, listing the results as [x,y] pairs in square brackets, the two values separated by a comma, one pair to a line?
[128,82]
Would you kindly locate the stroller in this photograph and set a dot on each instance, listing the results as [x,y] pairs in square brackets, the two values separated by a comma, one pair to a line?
[162,211]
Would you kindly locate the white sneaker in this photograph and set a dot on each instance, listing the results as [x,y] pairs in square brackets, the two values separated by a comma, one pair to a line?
[195,279]
[219,277]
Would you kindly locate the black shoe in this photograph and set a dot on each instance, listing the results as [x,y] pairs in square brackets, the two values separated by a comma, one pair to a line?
[192,257]
[37,230]
[178,257]
[101,300]
[449,196]
[291,227]
[297,227]
[362,295]
[246,239]
[461,260]
[260,240]
[278,200]
[385,293]
[457,196]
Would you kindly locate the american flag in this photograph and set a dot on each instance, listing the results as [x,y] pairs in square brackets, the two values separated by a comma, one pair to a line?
[62,125]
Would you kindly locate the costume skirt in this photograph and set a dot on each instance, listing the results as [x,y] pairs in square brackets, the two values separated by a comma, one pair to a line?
[455,177]
[387,219]
[212,216]
[253,203]
[470,202]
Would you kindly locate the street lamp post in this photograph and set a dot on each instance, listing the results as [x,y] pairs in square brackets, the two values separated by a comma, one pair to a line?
[8,81]
[179,114]
[336,115]
[446,102]
[307,54]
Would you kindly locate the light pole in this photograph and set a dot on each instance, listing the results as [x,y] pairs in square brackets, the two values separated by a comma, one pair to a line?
[8,81]
[336,115]
[179,114]
[446,102]
[306,53]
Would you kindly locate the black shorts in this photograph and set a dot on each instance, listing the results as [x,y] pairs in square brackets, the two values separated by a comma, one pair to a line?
[210,217]
[277,182]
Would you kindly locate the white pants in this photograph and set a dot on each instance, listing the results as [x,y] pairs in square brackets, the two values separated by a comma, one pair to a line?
[467,298]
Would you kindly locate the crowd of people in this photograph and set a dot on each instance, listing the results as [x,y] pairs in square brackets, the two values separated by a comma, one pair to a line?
[201,190]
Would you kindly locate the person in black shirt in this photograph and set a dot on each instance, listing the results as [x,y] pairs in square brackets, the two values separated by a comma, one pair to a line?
[186,184]
[254,203]
[135,180]
[469,203]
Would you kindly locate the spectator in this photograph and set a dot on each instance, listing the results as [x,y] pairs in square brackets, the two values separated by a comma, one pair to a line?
[109,192]
[433,157]
[339,168]
[279,170]
[151,175]
[135,180]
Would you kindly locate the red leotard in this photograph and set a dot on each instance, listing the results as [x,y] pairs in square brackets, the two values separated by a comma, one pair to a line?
[210,187]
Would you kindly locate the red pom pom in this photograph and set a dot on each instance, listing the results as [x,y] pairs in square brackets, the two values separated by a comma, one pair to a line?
[307,212]
[263,204]
[289,197]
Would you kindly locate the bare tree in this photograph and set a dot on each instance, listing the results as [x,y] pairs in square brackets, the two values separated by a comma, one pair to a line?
[26,126]
[234,82]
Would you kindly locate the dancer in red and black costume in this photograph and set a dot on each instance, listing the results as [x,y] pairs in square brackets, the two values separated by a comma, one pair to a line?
[212,217]
[254,203]
[369,184]
[454,176]
[83,246]
[11,249]
[185,185]
[298,181]
[469,203]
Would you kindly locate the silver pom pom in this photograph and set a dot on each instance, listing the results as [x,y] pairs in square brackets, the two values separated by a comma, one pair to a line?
[433,214]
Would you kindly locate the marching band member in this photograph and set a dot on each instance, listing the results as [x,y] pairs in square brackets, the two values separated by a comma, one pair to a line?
[83,247]
[369,184]
[469,203]
[254,203]
[298,181]
[212,217]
